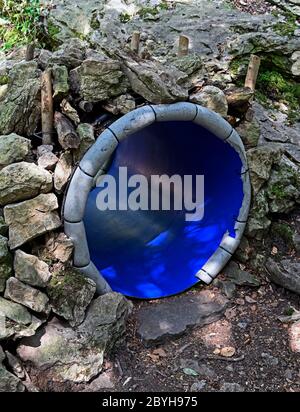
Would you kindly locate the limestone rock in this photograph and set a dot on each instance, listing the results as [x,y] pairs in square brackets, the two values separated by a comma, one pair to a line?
[258,221]
[3,227]
[158,322]
[154,81]
[283,186]
[240,277]
[16,321]
[57,247]
[30,269]
[71,54]
[285,273]
[213,98]
[20,181]
[13,148]
[249,132]
[5,262]
[20,107]
[260,161]
[60,81]
[21,293]
[31,218]
[66,354]
[70,294]
[238,96]
[46,158]
[296,62]
[86,133]
[98,78]
[8,381]
[63,171]
[122,104]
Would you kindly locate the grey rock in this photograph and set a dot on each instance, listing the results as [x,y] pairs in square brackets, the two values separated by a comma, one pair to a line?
[70,54]
[14,312]
[154,81]
[44,58]
[8,381]
[5,262]
[98,78]
[269,359]
[70,294]
[249,132]
[15,365]
[20,181]
[258,221]
[3,227]
[86,133]
[283,189]
[31,270]
[172,318]
[120,105]
[60,81]
[198,386]
[296,62]
[244,251]
[232,387]
[57,247]
[238,96]
[260,161]
[63,171]
[46,158]
[228,288]
[21,293]
[285,273]
[13,148]
[292,6]
[213,98]
[76,355]
[20,107]
[31,218]
[240,277]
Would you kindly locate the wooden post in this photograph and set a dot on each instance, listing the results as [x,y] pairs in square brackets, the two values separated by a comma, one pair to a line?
[67,136]
[252,72]
[183,46]
[135,42]
[47,107]
[30,52]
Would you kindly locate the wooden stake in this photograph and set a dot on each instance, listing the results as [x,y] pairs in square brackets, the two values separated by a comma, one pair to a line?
[67,136]
[135,42]
[252,72]
[30,52]
[183,46]
[47,107]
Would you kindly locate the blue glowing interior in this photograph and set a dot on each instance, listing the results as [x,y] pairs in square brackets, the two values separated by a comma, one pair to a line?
[154,254]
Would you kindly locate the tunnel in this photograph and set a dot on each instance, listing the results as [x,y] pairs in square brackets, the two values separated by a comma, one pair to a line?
[160,244]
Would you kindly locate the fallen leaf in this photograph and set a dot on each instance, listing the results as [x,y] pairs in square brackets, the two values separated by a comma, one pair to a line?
[153,357]
[159,352]
[249,300]
[190,372]
[227,352]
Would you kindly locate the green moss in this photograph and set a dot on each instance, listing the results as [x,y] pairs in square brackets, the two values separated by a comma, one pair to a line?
[276,86]
[4,79]
[287,27]
[124,17]
[238,68]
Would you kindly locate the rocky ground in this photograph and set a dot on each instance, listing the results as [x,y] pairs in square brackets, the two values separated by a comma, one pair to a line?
[241,333]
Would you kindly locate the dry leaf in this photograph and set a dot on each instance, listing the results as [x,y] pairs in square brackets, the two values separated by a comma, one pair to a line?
[227,352]
[159,352]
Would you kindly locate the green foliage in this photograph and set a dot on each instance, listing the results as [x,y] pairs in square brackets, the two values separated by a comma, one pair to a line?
[21,22]
[276,86]
[287,27]
[124,17]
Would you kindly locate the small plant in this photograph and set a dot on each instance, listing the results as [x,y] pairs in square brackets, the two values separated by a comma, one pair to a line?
[287,27]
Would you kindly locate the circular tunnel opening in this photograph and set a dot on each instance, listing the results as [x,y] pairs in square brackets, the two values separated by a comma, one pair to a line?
[157,253]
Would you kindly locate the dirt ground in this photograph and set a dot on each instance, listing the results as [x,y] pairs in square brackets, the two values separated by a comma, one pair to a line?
[262,360]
